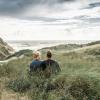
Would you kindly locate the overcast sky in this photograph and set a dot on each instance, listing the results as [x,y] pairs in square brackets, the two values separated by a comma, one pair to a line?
[50,19]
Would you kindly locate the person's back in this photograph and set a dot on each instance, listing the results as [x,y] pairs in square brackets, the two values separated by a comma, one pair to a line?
[35,65]
[50,66]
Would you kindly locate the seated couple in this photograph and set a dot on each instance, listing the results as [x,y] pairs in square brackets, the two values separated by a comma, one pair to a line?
[48,64]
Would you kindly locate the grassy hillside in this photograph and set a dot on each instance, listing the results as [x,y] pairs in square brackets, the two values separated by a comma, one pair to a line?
[25,52]
[90,51]
[62,47]
[78,80]
[93,43]
[5,49]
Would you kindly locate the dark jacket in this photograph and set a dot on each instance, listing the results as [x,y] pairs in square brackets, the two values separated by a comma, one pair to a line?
[51,65]
[35,65]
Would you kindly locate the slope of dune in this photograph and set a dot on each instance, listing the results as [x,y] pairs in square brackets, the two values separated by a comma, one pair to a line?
[90,50]
[79,78]
[5,49]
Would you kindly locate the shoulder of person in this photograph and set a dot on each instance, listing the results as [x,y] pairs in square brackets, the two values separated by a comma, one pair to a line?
[42,62]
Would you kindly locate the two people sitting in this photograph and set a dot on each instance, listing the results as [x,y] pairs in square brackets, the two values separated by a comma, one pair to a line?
[49,65]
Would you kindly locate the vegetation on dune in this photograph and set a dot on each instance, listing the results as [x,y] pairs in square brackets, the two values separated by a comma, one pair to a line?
[26,52]
[5,49]
[62,47]
[78,80]
[94,51]
[93,43]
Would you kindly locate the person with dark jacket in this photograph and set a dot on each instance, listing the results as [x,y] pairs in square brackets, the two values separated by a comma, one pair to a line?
[50,66]
[35,65]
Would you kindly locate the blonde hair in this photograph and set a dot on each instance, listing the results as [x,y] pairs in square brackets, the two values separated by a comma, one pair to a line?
[36,55]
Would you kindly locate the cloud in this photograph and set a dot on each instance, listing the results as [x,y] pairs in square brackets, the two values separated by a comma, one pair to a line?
[93,5]
[11,7]
[65,19]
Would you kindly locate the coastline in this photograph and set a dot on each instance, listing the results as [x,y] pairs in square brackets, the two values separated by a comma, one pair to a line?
[39,44]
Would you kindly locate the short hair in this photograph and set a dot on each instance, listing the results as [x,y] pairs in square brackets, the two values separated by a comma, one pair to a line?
[49,54]
[36,54]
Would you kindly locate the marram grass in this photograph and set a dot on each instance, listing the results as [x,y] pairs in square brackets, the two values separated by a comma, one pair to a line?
[79,78]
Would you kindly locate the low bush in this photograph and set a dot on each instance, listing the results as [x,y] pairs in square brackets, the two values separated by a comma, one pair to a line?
[82,89]
[19,85]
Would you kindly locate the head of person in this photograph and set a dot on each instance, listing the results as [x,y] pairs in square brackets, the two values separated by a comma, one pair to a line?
[36,55]
[49,55]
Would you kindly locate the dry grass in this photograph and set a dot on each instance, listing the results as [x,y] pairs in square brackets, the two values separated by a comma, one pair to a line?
[78,80]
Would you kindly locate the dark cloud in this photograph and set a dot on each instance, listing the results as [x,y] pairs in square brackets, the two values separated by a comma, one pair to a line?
[14,6]
[96,4]
[92,5]
[8,7]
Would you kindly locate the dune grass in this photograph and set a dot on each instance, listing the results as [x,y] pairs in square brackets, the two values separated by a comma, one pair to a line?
[78,80]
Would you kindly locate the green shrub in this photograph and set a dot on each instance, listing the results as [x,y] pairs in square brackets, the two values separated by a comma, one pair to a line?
[19,85]
[82,89]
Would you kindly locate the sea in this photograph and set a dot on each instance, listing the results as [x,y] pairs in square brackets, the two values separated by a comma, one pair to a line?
[38,44]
